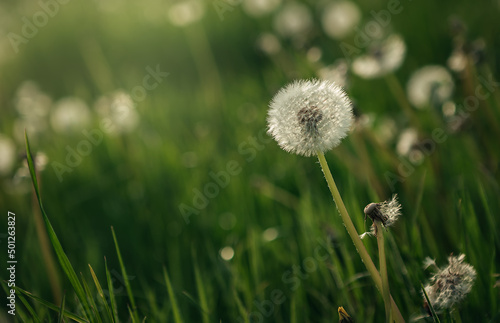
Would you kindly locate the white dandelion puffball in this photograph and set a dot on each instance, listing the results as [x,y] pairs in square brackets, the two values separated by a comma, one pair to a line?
[340,18]
[451,284]
[70,115]
[293,19]
[259,8]
[7,154]
[308,116]
[430,85]
[186,12]
[384,57]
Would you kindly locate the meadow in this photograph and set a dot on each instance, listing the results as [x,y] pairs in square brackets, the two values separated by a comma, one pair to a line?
[147,124]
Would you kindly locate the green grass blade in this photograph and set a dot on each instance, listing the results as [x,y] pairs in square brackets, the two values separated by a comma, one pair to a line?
[171,295]
[61,256]
[53,307]
[101,294]
[240,306]
[125,277]
[132,316]
[111,292]
[61,309]
[29,308]
[202,294]
[93,305]
[435,318]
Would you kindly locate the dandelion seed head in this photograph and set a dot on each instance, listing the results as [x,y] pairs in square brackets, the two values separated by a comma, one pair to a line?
[7,154]
[269,43]
[340,18]
[293,19]
[70,115]
[430,85]
[451,284]
[310,116]
[336,72]
[384,57]
[259,8]
[186,12]
[227,253]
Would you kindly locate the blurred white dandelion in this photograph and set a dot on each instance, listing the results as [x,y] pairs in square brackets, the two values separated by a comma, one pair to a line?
[339,18]
[307,117]
[270,234]
[31,102]
[383,58]
[451,284]
[269,43]
[259,8]
[314,54]
[227,253]
[407,139]
[336,72]
[186,12]
[430,86]
[457,61]
[118,110]
[293,19]
[7,154]
[70,115]
[32,106]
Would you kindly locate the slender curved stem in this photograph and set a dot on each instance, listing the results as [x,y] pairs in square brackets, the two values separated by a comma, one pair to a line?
[383,271]
[351,230]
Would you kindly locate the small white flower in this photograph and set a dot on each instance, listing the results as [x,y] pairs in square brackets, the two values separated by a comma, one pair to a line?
[384,57]
[310,116]
[430,85]
[451,284]
[386,212]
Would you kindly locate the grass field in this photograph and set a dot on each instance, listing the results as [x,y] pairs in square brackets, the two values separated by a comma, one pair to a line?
[165,142]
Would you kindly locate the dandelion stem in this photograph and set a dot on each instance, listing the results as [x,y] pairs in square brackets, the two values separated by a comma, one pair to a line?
[360,247]
[383,270]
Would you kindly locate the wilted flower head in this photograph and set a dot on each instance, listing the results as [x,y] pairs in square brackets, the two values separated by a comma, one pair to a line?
[384,57]
[310,116]
[451,284]
[430,85]
[340,18]
[387,213]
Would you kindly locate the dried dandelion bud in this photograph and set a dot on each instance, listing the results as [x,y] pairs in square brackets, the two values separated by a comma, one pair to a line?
[310,116]
[450,284]
[387,213]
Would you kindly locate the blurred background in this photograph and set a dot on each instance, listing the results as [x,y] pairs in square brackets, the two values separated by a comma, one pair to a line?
[151,117]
